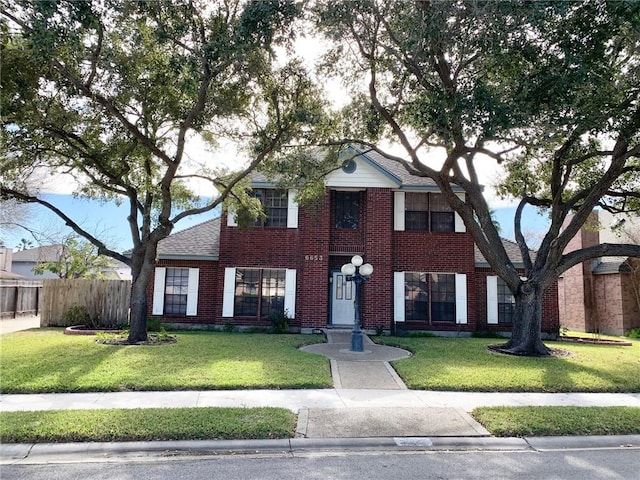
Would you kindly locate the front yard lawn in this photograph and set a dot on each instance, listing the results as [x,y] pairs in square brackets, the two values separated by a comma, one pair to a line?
[120,425]
[465,364]
[39,361]
[554,421]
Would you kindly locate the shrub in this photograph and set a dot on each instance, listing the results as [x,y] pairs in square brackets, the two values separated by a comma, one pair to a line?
[228,327]
[154,324]
[633,333]
[79,315]
[279,322]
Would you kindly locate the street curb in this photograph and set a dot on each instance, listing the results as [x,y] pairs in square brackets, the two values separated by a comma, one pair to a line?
[73,452]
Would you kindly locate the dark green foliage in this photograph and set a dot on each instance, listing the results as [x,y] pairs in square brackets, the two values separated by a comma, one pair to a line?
[279,322]
[78,315]
[114,92]
[633,333]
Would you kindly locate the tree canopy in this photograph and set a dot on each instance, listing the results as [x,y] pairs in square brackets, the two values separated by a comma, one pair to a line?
[548,90]
[111,93]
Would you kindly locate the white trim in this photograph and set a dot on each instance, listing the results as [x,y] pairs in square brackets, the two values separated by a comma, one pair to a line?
[459,223]
[158,290]
[492,300]
[461,298]
[292,210]
[398,211]
[398,296]
[290,293]
[192,292]
[229,290]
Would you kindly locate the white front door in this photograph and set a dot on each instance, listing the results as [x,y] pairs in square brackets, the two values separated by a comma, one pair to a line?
[342,308]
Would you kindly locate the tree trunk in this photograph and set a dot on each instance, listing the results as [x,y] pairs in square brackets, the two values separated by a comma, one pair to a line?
[140,281]
[526,336]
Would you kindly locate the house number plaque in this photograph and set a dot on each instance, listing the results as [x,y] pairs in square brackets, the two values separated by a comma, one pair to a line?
[313,258]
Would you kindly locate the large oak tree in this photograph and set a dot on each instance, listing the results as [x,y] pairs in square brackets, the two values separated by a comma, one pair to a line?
[112,92]
[549,90]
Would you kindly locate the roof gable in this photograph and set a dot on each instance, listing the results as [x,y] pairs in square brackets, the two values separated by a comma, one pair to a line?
[372,169]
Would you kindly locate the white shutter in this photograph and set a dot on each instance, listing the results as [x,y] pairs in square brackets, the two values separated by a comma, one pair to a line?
[492,299]
[398,296]
[290,293]
[398,211]
[192,292]
[158,291]
[459,224]
[292,210]
[229,290]
[461,298]
[232,219]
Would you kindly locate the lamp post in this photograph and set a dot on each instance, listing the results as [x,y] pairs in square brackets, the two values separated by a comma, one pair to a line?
[357,273]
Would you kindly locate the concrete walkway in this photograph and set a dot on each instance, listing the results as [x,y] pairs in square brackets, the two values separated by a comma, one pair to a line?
[9,325]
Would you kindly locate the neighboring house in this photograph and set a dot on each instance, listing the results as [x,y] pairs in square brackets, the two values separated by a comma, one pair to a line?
[427,274]
[600,295]
[24,261]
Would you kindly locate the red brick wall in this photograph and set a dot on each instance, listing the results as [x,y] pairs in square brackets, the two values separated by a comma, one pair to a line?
[550,314]
[436,252]
[377,298]
[577,310]
[630,296]
[615,304]
[208,282]
[315,249]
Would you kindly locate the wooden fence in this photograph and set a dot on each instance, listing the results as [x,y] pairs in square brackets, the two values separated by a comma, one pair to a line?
[107,300]
[19,297]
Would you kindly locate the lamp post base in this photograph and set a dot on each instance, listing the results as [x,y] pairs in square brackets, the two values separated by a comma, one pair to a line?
[356,342]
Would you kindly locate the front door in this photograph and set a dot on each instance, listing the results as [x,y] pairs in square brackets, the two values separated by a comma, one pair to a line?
[342,308]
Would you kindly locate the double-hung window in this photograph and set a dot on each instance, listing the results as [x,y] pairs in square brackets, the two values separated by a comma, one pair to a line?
[428,212]
[259,292]
[275,206]
[506,303]
[430,297]
[176,290]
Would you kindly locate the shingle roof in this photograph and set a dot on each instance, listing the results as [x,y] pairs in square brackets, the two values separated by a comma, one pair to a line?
[47,253]
[397,170]
[513,252]
[611,265]
[198,241]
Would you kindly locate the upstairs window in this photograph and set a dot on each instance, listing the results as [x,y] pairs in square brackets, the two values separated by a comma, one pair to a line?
[346,210]
[428,212]
[275,206]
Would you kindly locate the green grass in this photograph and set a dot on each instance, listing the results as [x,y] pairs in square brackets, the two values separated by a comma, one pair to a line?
[119,425]
[466,364]
[552,421]
[39,361]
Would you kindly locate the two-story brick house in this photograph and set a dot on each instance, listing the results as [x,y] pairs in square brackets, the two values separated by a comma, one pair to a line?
[427,273]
